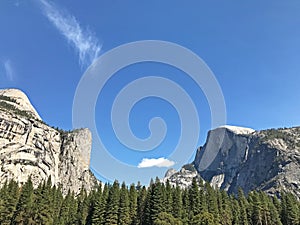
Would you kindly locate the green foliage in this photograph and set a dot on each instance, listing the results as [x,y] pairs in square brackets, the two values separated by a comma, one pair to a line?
[7,98]
[160,204]
[112,206]
[24,210]
[164,218]
[11,108]
[204,218]
[290,136]
[124,204]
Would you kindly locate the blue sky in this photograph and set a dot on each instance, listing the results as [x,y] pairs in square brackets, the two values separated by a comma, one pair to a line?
[253,49]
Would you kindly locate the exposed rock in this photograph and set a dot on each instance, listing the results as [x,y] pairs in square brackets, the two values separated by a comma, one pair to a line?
[29,147]
[234,157]
[182,178]
[19,100]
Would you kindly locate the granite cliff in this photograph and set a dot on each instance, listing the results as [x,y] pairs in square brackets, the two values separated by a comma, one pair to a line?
[29,147]
[234,157]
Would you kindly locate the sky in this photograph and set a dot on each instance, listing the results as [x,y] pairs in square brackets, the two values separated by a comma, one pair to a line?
[252,49]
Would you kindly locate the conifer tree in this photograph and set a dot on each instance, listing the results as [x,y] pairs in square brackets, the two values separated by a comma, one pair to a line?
[156,200]
[124,210]
[112,206]
[164,218]
[95,212]
[274,212]
[256,215]
[185,205]
[133,204]
[57,203]
[212,201]
[9,196]
[243,203]
[203,202]
[177,202]
[98,214]
[83,202]
[235,210]
[43,208]
[224,208]
[68,210]
[204,218]
[194,198]
[291,210]
[141,205]
[168,198]
[24,209]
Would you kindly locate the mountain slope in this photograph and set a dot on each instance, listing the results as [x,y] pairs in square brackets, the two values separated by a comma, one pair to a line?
[29,147]
[234,157]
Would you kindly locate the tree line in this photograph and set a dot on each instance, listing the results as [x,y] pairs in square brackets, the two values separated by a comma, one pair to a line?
[158,204]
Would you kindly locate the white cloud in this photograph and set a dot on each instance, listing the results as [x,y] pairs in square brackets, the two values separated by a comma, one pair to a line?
[84,41]
[9,70]
[160,162]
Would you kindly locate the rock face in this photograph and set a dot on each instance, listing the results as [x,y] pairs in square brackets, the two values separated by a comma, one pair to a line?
[182,178]
[267,160]
[29,147]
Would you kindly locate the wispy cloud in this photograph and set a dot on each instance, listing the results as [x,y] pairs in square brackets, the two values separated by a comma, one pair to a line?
[84,41]
[159,162]
[9,70]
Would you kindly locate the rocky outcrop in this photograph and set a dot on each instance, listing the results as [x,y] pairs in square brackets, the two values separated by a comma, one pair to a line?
[182,178]
[267,160]
[29,147]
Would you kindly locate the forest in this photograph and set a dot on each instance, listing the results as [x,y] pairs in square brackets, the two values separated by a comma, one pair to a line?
[158,204]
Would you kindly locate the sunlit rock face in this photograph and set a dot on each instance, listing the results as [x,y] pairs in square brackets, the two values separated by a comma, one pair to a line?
[29,147]
[234,157]
[182,178]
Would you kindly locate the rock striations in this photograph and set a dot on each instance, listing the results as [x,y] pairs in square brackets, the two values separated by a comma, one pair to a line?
[29,147]
[234,157]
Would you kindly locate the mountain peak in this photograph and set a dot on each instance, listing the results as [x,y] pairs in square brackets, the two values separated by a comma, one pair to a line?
[29,147]
[237,130]
[19,101]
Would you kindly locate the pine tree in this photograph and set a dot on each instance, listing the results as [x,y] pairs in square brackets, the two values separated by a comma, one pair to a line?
[95,208]
[235,210]
[203,202]
[194,198]
[68,210]
[98,214]
[212,201]
[9,195]
[141,205]
[224,208]
[43,207]
[256,211]
[133,204]
[185,206]
[243,203]
[168,198]
[164,218]
[274,212]
[291,210]
[57,203]
[124,210]
[24,208]
[156,200]
[177,202]
[112,206]
[83,204]
[204,218]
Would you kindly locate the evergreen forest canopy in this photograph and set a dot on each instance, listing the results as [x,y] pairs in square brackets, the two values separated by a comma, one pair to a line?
[159,204]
